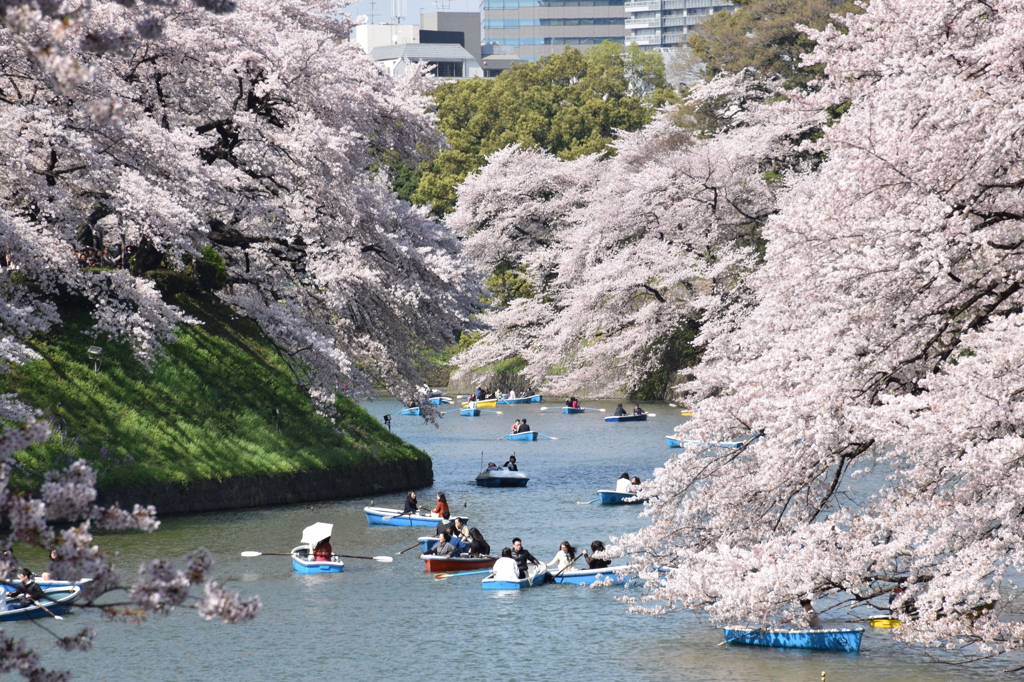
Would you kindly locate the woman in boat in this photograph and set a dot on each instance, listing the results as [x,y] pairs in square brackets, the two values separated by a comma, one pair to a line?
[515,426]
[442,505]
[575,403]
[622,485]
[477,545]
[411,503]
[634,484]
[323,550]
[511,463]
[28,593]
[619,411]
[506,567]
[595,547]
[444,547]
[566,557]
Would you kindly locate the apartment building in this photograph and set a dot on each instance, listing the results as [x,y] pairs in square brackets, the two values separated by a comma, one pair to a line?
[535,28]
[663,25]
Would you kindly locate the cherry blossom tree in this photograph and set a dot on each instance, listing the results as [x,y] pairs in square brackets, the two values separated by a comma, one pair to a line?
[878,365]
[255,131]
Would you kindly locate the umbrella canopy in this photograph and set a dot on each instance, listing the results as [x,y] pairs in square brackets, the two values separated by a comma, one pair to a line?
[317,532]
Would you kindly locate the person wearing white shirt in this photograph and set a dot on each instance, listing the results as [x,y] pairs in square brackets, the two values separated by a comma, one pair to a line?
[566,557]
[622,485]
[506,567]
[512,394]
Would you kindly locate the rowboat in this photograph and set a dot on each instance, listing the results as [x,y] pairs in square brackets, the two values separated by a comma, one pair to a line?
[303,563]
[572,410]
[528,435]
[427,543]
[502,479]
[627,418]
[382,516]
[536,399]
[466,412]
[613,497]
[516,401]
[58,601]
[437,564]
[533,580]
[589,576]
[412,411]
[673,442]
[490,402]
[839,639]
[718,444]
[440,401]
[885,622]
[45,584]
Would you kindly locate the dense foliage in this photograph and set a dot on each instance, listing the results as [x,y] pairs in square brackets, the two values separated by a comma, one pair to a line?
[569,104]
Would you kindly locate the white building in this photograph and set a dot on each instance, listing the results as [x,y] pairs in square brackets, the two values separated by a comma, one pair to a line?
[369,36]
[448,41]
[663,25]
[448,60]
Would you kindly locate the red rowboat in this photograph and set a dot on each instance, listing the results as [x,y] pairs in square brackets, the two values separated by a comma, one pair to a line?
[456,563]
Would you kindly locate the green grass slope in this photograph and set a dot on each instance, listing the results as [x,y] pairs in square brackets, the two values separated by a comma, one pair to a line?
[205,412]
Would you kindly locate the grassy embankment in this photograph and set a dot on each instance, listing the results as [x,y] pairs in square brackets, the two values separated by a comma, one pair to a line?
[205,412]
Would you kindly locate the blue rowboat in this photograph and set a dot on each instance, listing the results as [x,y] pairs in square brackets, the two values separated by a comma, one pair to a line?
[502,479]
[515,401]
[535,579]
[839,639]
[58,600]
[382,516]
[590,576]
[427,543]
[535,399]
[720,444]
[613,497]
[466,412]
[529,435]
[627,418]
[45,584]
[440,401]
[302,563]
[673,442]
[412,411]
[572,410]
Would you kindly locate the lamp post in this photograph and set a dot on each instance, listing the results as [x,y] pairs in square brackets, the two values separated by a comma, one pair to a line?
[97,358]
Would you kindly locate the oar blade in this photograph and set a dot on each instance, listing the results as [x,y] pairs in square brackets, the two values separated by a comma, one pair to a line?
[252,554]
[384,559]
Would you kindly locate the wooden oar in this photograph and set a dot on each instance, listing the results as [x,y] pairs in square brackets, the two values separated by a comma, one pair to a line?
[491,411]
[47,610]
[408,548]
[382,559]
[445,576]
[571,564]
[596,499]
[395,516]
[595,409]
[543,436]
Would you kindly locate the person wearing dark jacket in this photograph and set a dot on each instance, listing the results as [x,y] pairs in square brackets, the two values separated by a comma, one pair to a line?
[523,427]
[511,463]
[522,557]
[595,547]
[411,504]
[477,545]
[28,592]
[619,411]
[445,525]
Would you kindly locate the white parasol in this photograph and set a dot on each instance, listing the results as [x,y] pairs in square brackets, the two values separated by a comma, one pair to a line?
[315,533]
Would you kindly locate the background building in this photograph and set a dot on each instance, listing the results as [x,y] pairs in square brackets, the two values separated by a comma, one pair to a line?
[662,25]
[448,41]
[535,28]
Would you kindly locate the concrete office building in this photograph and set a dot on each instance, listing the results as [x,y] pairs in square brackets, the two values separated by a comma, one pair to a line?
[663,25]
[448,25]
[447,41]
[535,28]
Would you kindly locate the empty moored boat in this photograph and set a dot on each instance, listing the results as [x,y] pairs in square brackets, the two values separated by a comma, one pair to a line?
[838,639]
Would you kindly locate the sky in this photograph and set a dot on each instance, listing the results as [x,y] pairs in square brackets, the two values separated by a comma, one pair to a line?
[382,8]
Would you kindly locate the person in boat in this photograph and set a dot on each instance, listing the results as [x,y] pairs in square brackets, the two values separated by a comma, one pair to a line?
[471,403]
[575,403]
[512,394]
[477,545]
[622,485]
[53,557]
[511,463]
[522,556]
[565,557]
[442,505]
[445,525]
[491,466]
[479,393]
[461,530]
[595,547]
[411,504]
[619,412]
[323,550]
[444,547]
[813,621]
[515,426]
[506,567]
[568,402]
[634,484]
[27,593]
[637,410]
[523,427]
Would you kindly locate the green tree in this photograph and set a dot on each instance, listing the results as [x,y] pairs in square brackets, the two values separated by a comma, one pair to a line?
[763,35]
[570,104]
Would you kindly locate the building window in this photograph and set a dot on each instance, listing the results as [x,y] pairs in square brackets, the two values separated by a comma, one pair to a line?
[447,69]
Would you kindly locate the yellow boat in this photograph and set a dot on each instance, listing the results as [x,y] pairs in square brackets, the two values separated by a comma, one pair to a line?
[493,402]
[885,622]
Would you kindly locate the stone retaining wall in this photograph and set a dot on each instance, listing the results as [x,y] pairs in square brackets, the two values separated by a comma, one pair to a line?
[265,491]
